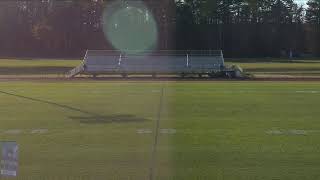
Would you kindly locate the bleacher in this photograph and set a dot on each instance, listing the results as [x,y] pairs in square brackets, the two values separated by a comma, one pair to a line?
[98,62]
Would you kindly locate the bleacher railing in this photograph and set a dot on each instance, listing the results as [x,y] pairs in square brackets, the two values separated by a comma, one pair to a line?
[217,53]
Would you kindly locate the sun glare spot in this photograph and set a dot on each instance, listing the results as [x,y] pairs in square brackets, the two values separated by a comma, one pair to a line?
[130,27]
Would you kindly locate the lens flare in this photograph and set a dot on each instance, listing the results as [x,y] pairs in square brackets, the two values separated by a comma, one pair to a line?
[130,27]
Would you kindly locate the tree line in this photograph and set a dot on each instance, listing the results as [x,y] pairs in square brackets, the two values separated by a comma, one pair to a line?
[241,28]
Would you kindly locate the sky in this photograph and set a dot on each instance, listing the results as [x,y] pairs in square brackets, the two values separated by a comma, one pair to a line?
[302,1]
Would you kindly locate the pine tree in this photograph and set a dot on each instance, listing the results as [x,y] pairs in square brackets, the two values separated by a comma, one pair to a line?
[313,12]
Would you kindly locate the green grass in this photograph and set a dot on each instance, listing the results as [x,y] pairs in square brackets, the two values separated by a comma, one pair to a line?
[15,63]
[297,67]
[256,67]
[221,129]
[42,67]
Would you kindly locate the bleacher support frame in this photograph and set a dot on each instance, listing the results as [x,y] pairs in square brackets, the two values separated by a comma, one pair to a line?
[105,62]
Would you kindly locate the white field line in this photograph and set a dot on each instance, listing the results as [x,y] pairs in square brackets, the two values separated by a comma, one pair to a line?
[291,131]
[20,131]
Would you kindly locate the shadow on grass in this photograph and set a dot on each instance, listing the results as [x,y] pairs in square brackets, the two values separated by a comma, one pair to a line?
[108,119]
[92,118]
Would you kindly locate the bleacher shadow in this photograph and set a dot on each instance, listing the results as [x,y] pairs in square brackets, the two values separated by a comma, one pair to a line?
[90,118]
[108,119]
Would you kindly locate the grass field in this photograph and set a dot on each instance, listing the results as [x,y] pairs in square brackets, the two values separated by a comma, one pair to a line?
[281,67]
[38,63]
[106,130]
[36,66]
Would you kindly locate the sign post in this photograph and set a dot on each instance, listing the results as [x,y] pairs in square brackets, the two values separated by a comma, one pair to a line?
[9,159]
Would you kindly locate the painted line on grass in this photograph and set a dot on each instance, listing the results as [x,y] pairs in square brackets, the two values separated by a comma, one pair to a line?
[291,131]
[156,138]
[308,92]
[161,131]
[51,103]
[25,131]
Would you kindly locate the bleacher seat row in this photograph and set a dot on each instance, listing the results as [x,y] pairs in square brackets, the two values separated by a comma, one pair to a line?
[111,62]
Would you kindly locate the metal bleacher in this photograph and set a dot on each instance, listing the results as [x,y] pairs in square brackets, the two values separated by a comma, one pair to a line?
[98,62]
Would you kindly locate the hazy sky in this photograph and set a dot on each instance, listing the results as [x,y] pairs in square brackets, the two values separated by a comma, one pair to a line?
[302,1]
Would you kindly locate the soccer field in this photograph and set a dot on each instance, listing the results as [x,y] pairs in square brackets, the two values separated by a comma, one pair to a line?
[204,130]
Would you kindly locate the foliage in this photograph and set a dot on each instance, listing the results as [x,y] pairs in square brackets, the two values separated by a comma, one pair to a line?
[68,28]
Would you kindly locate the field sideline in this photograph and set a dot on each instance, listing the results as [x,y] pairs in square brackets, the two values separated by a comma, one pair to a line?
[226,130]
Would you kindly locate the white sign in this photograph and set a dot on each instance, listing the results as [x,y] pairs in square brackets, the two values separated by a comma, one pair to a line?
[9,159]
